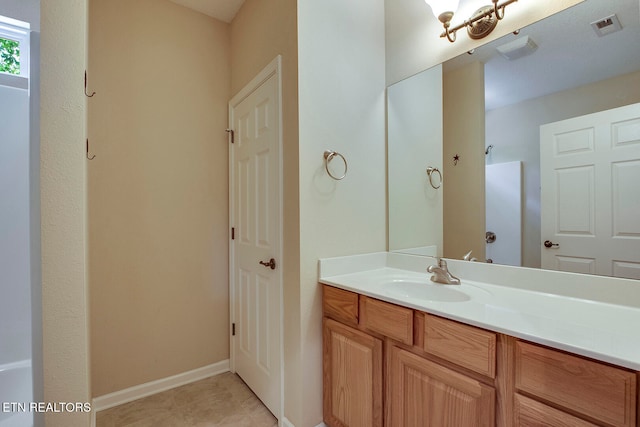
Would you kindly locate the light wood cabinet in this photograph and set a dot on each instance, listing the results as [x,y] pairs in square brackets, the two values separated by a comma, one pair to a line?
[352,363]
[464,345]
[390,365]
[597,391]
[340,305]
[423,393]
[531,413]
[387,319]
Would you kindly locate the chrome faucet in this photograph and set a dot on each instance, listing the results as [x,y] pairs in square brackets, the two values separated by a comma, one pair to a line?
[441,273]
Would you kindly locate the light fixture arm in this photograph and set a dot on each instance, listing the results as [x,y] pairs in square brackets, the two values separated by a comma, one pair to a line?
[497,10]
[451,36]
[445,18]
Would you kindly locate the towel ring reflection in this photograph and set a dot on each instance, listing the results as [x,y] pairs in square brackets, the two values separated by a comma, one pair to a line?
[431,171]
[330,155]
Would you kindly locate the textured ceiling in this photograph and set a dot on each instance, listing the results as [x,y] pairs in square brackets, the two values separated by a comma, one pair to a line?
[224,10]
[569,53]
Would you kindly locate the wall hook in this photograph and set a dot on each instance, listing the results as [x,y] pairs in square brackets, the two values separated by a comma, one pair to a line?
[456,158]
[232,133]
[88,156]
[85,86]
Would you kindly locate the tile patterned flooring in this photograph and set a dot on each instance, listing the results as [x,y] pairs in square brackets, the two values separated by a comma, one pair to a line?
[223,400]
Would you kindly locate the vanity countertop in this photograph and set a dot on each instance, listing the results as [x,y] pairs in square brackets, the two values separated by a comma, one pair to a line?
[592,316]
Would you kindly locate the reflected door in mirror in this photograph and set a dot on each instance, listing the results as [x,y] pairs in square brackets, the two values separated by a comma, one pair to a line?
[590,170]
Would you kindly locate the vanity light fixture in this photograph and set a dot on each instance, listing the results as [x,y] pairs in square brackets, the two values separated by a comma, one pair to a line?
[483,21]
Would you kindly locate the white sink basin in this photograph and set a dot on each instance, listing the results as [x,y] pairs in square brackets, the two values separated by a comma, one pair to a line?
[425,290]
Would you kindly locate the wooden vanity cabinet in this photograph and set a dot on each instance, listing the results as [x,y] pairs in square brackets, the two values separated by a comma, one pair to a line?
[598,392]
[419,391]
[352,365]
[440,391]
[340,305]
[388,320]
[390,365]
[532,413]
[424,393]
[466,346]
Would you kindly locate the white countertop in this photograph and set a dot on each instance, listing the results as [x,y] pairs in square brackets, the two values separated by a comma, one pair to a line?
[596,317]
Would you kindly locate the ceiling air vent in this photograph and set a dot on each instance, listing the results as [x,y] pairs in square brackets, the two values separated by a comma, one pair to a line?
[606,26]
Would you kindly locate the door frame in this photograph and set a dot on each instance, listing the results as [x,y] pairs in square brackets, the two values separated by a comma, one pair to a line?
[273,68]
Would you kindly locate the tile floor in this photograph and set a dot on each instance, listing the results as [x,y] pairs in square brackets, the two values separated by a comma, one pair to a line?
[223,400]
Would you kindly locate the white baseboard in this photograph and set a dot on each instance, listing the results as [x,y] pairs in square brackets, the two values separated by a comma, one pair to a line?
[147,389]
[286,423]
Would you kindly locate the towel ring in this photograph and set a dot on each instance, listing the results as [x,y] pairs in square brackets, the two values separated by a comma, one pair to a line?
[330,155]
[431,171]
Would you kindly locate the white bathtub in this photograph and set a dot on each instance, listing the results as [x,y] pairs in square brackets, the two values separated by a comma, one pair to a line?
[16,386]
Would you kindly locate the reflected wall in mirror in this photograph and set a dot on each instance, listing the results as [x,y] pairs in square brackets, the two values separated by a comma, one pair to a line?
[489,100]
[414,118]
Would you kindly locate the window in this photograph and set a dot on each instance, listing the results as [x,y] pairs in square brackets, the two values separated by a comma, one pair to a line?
[9,56]
[14,47]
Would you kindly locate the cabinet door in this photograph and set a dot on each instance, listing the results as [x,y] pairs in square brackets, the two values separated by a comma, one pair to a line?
[352,362]
[423,393]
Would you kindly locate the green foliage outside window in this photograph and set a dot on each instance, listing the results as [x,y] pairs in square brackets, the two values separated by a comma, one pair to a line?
[9,56]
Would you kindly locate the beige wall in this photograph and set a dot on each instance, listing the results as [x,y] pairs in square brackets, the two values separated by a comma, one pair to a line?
[260,31]
[464,222]
[515,129]
[63,209]
[158,191]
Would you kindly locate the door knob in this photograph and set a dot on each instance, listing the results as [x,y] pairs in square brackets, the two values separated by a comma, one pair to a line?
[271,263]
[490,236]
[550,244]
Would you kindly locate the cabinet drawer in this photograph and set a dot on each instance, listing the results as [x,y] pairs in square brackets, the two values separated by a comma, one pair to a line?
[387,319]
[340,305]
[597,390]
[464,345]
[531,413]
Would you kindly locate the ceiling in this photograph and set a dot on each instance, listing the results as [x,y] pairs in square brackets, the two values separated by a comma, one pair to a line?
[224,10]
[569,53]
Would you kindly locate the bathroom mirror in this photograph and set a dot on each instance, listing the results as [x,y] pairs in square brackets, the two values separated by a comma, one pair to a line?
[563,70]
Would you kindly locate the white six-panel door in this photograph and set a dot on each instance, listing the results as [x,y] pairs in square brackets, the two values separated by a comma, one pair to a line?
[590,185]
[255,205]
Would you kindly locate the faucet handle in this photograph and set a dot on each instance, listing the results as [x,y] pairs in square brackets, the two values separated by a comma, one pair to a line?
[468,257]
[438,262]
